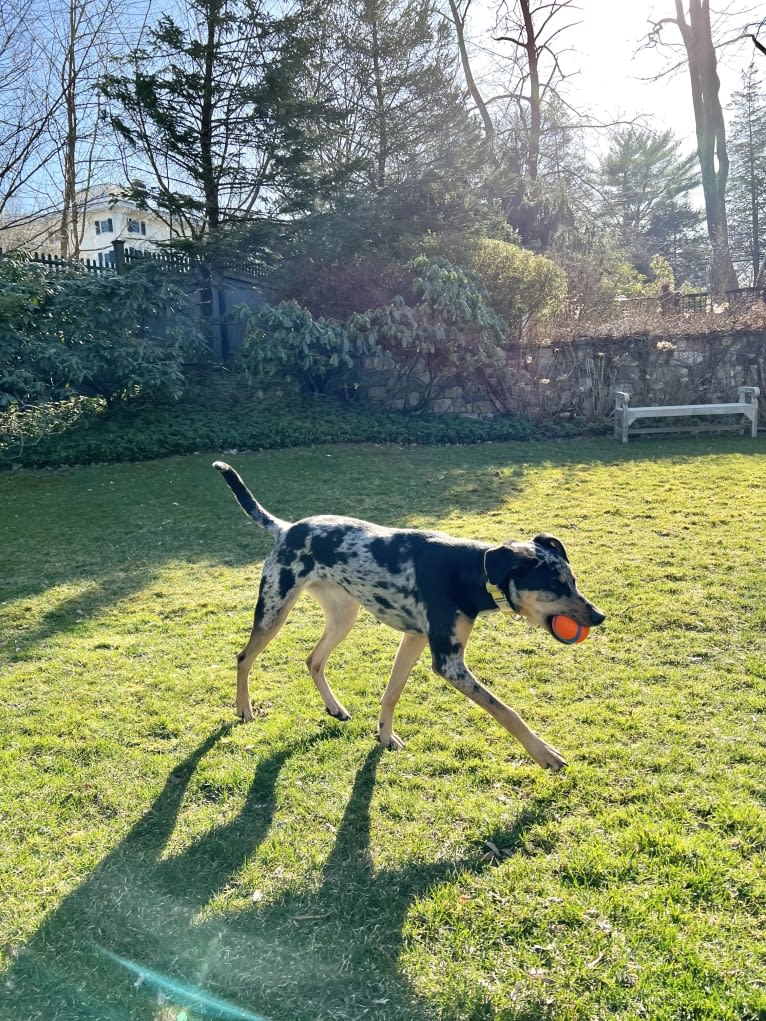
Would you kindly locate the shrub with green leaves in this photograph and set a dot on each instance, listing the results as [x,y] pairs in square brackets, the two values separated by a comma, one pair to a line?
[452,329]
[110,335]
[519,284]
[26,292]
[316,356]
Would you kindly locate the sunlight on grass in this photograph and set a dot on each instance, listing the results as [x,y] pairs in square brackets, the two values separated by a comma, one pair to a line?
[291,868]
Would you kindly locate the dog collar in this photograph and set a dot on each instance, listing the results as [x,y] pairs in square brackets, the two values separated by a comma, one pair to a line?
[499,598]
[497,595]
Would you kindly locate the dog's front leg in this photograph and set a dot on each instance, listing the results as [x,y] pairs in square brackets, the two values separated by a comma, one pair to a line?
[448,662]
[410,648]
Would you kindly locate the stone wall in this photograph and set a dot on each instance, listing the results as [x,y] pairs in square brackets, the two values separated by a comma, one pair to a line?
[577,378]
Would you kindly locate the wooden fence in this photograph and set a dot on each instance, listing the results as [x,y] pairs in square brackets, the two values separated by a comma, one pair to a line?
[216,298]
[120,255]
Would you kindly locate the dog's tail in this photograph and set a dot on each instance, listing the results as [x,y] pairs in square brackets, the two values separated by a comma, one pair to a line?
[248,502]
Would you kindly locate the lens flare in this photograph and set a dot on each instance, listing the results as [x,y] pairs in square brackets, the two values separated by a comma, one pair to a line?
[187,995]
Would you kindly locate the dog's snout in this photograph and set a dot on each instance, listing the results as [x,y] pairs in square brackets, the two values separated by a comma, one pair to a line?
[596,617]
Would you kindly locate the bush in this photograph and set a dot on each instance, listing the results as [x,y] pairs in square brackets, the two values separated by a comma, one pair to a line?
[26,292]
[111,335]
[451,331]
[285,342]
[519,284]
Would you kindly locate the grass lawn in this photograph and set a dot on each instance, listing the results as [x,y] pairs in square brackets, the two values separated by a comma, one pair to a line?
[159,860]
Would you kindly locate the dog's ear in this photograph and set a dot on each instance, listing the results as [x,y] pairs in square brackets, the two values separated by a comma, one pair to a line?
[552,543]
[502,561]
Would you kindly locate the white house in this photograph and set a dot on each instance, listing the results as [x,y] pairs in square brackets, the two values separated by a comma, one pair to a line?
[111,217]
[106,216]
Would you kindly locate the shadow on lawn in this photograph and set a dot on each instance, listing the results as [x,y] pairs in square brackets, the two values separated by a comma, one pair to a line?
[137,927]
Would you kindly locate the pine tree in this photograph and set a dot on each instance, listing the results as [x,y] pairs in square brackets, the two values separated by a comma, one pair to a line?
[391,67]
[215,115]
[644,181]
[746,189]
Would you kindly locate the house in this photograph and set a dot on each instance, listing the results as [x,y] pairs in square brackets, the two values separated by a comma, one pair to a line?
[107,215]
[111,217]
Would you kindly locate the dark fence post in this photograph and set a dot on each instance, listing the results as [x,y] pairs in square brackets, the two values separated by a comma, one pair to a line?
[223,327]
[118,247]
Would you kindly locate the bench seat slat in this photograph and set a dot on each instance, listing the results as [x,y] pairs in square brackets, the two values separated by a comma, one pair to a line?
[674,410]
[655,430]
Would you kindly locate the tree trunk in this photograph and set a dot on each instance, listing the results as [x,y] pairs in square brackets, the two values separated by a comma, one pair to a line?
[380,105]
[535,119]
[459,23]
[209,182]
[214,298]
[69,218]
[711,137]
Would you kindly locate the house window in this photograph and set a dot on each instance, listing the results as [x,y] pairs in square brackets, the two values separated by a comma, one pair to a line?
[136,226]
[104,226]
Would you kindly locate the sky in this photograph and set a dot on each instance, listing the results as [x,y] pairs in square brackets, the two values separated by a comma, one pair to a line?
[606,50]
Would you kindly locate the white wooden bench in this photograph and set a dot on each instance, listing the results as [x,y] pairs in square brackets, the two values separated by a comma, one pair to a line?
[625,416]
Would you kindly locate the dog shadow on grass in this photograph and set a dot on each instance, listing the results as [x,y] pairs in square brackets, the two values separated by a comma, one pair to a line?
[134,941]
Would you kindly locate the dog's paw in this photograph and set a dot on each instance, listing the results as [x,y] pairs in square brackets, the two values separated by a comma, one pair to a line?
[547,756]
[341,714]
[245,713]
[393,743]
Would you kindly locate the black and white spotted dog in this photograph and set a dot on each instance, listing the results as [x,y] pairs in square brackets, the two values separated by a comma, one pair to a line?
[428,585]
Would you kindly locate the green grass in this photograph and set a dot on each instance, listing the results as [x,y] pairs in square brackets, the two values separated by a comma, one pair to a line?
[152,848]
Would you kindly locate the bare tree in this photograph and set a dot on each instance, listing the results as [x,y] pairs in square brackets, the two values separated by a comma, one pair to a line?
[532,26]
[702,62]
[79,37]
[531,72]
[29,101]
[84,39]
[52,144]
[527,122]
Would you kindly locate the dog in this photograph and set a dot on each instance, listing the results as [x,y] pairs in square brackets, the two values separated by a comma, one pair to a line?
[428,585]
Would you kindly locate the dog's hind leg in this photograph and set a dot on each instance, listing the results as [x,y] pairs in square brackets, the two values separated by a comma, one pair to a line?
[410,648]
[340,611]
[271,612]
[447,652]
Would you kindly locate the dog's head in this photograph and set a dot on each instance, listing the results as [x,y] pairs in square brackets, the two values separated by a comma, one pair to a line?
[537,581]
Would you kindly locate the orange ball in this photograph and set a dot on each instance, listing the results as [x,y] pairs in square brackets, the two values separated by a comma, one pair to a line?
[567,630]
